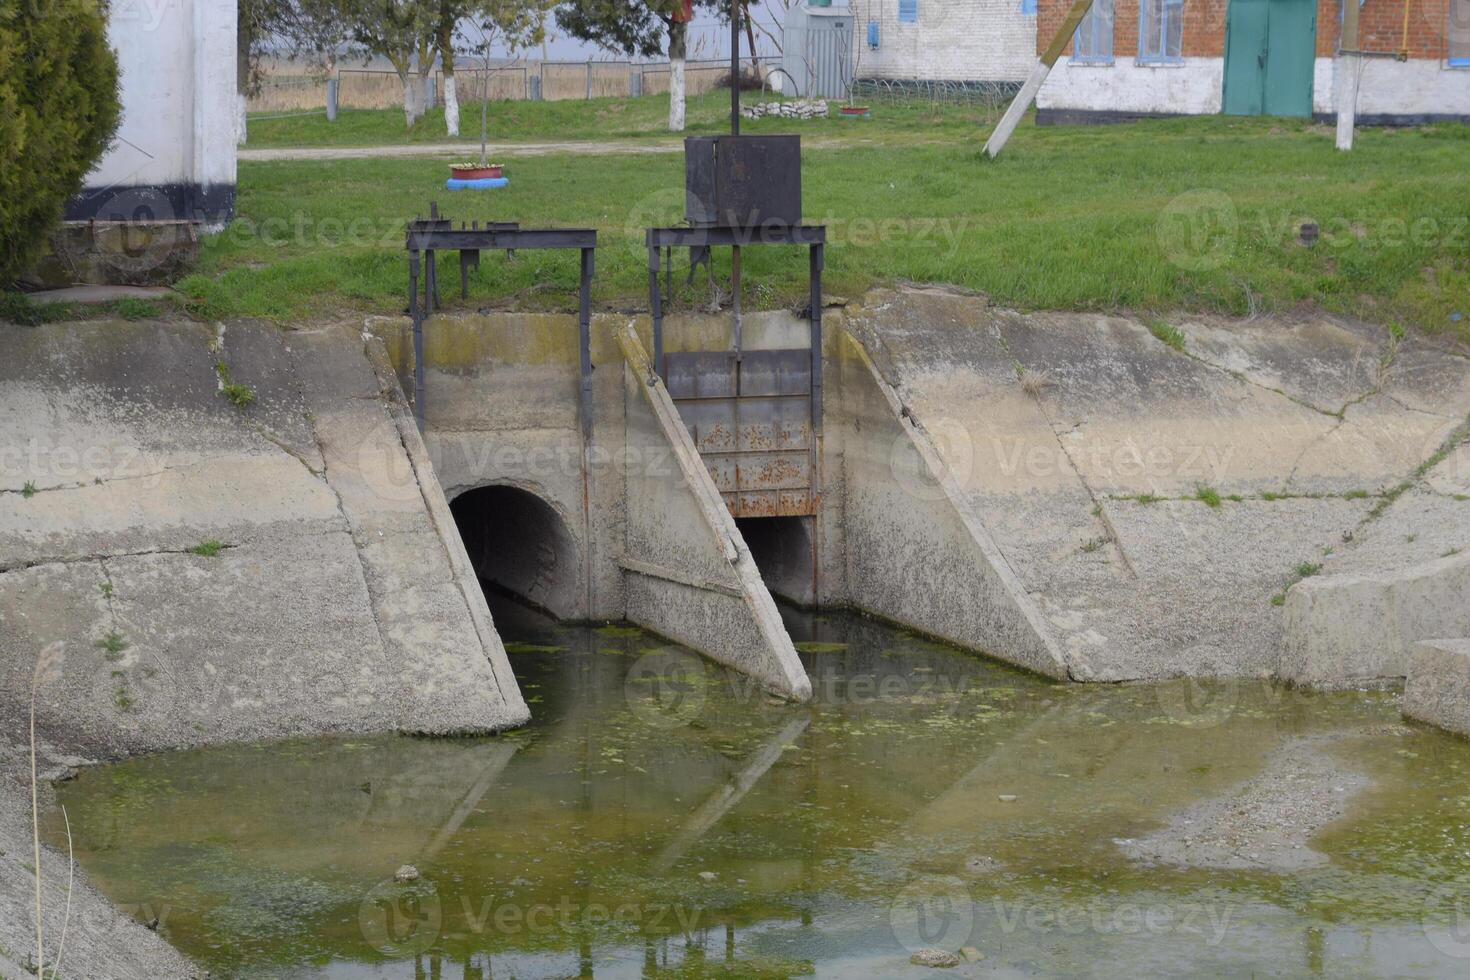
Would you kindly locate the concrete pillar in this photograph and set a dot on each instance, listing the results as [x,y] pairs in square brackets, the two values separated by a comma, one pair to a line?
[331,100]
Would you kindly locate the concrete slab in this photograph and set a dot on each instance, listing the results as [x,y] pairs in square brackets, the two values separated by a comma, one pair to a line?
[1351,629]
[1438,688]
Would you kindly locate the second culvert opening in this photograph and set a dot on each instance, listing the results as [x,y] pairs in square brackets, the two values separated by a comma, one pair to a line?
[784,550]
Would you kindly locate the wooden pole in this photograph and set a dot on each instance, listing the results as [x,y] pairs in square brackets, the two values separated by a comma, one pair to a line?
[1349,65]
[1044,64]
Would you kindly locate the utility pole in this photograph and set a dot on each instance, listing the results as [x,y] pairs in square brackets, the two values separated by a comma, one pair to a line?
[735,67]
[1044,65]
[1349,66]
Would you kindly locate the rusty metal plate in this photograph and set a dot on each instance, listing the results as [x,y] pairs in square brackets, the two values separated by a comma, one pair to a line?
[751,422]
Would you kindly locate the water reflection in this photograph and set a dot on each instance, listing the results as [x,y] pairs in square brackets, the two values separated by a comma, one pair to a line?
[663,817]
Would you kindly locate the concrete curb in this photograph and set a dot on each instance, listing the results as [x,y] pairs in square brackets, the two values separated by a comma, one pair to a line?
[1344,630]
[749,637]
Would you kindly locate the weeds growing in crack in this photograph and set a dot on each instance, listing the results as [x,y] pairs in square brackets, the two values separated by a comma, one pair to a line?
[241,396]
[113,645]
[29,490]
[207,549]
[1168,334]
[1303,571]
[1208,496]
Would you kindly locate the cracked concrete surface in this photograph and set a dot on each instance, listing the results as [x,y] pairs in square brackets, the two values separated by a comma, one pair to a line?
[335,604]
[1310,422]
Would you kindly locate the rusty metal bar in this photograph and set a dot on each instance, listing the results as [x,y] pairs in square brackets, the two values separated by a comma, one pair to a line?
[656,306]
[759,235]
[418,338]
[584,331]
[818,263]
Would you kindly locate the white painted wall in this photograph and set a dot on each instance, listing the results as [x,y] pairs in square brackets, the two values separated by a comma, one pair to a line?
[954,40]
[177,63]
[1191,87]
[1390,87]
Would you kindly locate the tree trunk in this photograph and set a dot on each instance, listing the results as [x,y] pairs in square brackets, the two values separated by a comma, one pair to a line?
[421,80]
[451,91]
[678,46]
[413,106]
[755,65]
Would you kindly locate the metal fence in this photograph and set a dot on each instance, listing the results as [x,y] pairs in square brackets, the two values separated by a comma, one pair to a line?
[367,88]
[988,96]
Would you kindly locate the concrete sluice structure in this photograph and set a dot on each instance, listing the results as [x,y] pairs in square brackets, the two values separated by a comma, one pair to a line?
[1064,493]
[1068,494]
[633,525]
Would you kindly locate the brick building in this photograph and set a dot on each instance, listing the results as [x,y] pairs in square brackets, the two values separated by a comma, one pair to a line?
[944,40]
[1134,58]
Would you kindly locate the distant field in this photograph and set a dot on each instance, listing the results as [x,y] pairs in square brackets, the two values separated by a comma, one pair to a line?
[1187,214]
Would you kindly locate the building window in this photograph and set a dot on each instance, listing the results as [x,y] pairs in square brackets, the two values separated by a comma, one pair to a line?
[1160,32]
[1093,42]
[908,11]
[1459,33]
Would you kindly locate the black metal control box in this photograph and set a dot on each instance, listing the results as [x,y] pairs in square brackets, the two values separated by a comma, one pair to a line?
[743,181]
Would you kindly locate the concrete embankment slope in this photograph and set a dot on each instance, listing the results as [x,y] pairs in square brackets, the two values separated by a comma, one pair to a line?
[1158,492]
[204,572]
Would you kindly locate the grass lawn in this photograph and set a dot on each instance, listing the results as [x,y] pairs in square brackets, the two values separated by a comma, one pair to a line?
[1194,214]
[604,119]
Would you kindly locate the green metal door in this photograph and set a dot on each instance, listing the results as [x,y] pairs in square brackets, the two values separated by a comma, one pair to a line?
[1270,48]
[1292,50]
[1245,57]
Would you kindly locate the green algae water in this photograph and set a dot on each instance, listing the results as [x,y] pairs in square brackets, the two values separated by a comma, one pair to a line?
[662,817]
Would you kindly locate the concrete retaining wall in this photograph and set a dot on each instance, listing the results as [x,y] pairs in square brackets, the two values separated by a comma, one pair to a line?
[1345,630]
[1438,688]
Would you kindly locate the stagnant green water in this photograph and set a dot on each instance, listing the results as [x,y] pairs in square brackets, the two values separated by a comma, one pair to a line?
[662,818]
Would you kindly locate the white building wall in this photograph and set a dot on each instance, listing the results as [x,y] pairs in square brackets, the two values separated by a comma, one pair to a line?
[1389,88]
[1398,88]
[1192,87]
[177,64]
[954,40]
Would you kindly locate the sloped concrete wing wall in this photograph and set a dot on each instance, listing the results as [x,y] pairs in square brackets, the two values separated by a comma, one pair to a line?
[215,572]
[916,552]
[689,575]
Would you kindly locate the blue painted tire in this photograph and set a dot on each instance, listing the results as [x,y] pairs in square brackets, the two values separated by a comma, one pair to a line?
[488,184]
